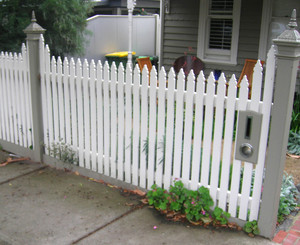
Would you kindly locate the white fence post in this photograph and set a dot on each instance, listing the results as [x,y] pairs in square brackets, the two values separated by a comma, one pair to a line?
[288,44]
[33,32]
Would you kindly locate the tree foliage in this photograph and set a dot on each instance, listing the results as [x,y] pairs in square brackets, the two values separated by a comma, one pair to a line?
[64,21]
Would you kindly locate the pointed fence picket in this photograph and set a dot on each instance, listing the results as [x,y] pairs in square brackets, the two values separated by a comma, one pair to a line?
[15,115]
[143,131]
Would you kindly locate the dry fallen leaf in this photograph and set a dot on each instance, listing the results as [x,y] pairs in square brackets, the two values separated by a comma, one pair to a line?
[139,193]
[76,173]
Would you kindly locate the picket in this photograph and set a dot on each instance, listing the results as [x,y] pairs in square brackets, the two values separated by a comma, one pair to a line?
[86,114]
[99,74]
[121,124]
[73,101]
[217,141]
[80,118]
[178,126]
[152,128]
[106,117]
[160,144]
[169,129]
[67,109]
[227,145]
[128,123]
[236,169]
[188,125]
[142,128]
[114,121]
[208,126]
[248,167]
[2,80]
[93,116]
[136,126]
[197,147]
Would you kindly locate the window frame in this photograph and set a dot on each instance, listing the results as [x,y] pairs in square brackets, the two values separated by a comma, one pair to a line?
[217,55]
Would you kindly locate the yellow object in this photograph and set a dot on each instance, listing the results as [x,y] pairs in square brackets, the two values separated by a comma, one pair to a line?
[120,54]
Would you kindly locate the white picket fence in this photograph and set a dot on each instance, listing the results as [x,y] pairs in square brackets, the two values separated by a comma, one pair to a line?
[15,105]
[143,133]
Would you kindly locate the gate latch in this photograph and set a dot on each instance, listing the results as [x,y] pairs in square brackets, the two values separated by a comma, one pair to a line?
[248,136]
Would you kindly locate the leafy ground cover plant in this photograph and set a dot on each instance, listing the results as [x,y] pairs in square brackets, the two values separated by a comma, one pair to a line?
[180,204]
[294,142]
[251,227]
[287,202]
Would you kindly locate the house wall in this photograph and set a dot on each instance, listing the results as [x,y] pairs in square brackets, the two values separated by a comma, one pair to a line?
[248,43]
[180,31]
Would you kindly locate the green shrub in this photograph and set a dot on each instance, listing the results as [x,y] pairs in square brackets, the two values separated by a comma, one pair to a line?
[288,194]
[294,143]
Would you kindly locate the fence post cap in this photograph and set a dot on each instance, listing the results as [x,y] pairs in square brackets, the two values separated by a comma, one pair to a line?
[34,29]
[291,34]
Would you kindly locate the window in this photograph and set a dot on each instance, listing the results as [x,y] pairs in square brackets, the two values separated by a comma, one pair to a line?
[218,30]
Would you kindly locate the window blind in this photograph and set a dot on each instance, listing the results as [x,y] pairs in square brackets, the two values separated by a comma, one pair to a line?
[220,14]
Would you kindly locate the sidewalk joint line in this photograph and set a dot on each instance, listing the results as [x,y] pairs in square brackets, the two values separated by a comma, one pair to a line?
[22,175]
[109,223]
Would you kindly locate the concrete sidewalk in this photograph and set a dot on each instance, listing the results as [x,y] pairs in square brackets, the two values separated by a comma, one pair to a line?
[42,205]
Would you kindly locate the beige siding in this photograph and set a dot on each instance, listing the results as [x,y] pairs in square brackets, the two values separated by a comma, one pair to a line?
[248,38]
[180,31]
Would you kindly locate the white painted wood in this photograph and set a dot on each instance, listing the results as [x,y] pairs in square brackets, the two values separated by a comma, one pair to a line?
[49,98]
[136,126]
[267,99]
[43,97]
[28,100]
[10,88]
[178,126]
[86,115]
[73,101]
[60,101]
[66,86]
[152,128]
[128,123]
[121,124]
[248,167]
[236,169]
[161,115]
[2,80]
[169,129]
[188,126]
[208,126]
[55,99]
[217,141]
[106,117]
[144,127]
[80,112]
[114,121]
[99,73]
[6,103]
[93,116]
[227,146]
[17,99]
[197,146]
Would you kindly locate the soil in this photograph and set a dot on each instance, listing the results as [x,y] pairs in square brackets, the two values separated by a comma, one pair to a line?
[292,167]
